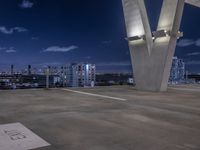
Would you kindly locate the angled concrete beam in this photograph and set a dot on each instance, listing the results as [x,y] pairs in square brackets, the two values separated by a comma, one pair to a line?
[137,23]
[193,2]
[170,20]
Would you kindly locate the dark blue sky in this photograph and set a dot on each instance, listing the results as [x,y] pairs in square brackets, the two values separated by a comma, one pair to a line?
[41,32]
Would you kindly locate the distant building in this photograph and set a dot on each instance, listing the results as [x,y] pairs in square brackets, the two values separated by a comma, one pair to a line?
[29,69]
[12,70]
[108,79]
[72,75]
[27,81]
[177,74]
[193,78]
[78,75]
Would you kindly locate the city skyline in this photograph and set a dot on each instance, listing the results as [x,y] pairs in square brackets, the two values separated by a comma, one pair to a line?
[56,32]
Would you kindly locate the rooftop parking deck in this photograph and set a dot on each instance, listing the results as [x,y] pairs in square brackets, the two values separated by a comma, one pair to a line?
[108,118]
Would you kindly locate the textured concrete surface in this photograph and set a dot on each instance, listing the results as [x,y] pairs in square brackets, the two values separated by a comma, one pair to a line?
[193,2]
[152,58]
[15,136]
[74,121]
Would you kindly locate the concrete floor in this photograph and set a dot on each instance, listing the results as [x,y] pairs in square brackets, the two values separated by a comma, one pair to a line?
[72,121]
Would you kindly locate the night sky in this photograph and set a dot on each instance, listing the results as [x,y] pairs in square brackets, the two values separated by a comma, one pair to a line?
[54,32]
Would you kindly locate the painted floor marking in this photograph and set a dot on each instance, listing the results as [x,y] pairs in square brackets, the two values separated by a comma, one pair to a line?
[15,136]
[186,89]
[96,95]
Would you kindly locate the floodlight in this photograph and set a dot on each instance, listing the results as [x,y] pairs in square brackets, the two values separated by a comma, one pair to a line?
[135,38]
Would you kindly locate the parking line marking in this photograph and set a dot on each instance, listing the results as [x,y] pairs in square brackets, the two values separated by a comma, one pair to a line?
[96,95]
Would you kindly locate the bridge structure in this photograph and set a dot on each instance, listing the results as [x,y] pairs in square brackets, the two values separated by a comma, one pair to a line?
[152,51]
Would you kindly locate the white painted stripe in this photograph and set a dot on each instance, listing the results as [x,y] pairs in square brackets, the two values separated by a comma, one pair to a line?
[186,89]
[96,95]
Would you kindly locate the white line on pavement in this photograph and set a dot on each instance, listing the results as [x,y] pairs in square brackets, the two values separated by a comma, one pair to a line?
[96,95]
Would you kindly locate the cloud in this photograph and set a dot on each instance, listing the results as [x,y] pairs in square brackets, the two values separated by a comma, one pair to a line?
[8,50]
[185,42]
[188,42]
[4,30]
[60,49]
[194,54]
[2,48]
[11,50]
[26,4]
[20,29]
[198,43]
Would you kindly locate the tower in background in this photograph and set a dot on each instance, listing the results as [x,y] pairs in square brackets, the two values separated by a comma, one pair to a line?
[12,69]
[29,69]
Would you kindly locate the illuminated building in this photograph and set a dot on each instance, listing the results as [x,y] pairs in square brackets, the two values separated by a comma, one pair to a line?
[79,75]
[177,74]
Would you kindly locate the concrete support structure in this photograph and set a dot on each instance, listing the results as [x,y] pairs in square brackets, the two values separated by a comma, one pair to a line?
[193,2]
[152,52]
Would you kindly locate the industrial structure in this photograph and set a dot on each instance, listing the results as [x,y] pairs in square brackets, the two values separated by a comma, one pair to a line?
[152,52]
